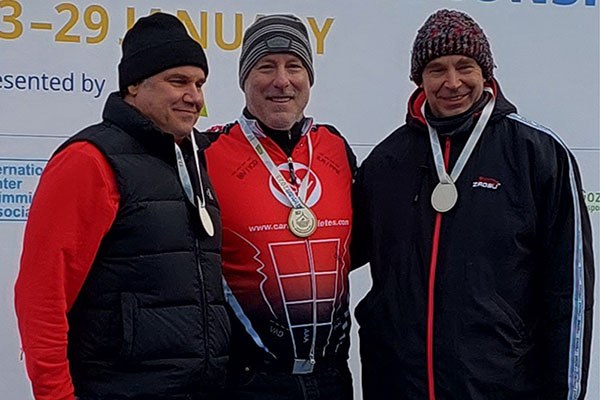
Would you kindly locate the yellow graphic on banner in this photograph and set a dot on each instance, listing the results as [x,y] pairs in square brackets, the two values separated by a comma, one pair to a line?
[96,21]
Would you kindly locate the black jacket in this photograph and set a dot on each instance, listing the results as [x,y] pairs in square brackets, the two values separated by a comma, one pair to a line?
[513,283]
[150,320]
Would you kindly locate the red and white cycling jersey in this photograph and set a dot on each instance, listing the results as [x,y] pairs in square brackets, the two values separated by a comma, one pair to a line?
[291,292]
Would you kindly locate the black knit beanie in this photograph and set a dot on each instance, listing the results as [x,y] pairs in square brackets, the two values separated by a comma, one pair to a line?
[450,32]
[277,33]
[156,43]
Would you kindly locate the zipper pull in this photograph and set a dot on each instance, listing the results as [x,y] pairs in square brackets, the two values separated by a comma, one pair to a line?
[293,178]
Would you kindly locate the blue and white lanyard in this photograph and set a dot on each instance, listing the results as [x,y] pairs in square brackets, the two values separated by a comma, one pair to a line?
[295,200]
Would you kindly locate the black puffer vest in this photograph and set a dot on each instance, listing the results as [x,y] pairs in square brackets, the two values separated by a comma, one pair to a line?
[149,322]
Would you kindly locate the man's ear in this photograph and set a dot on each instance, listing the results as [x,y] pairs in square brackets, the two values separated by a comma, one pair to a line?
[132,90]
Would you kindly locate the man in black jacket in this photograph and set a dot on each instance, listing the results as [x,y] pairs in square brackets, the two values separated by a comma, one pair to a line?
[119,295]
[481,254]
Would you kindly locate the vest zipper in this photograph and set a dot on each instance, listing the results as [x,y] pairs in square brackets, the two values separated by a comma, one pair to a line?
[204,307]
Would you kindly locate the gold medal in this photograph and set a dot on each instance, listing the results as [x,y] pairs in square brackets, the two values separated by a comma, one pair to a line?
[444,197]
[302,222]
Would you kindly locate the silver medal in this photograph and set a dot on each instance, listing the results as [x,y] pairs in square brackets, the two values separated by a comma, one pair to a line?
[205,218]
[302,222]
[444,197]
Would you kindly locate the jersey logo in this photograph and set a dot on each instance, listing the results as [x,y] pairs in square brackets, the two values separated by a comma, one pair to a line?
[308,189]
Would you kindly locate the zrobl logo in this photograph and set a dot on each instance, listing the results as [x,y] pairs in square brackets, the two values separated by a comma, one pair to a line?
[556,2]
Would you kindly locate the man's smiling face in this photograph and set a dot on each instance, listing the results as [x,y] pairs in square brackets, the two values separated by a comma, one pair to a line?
[277,90]
[452,84]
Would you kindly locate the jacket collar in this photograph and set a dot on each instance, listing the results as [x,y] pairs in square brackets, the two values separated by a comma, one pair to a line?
[415,118]
[129,119]
[285,140]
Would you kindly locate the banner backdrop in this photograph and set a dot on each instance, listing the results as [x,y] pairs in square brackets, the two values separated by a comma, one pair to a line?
[58,63]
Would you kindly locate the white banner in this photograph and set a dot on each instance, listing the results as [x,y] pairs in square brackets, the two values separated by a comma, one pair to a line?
[58,62]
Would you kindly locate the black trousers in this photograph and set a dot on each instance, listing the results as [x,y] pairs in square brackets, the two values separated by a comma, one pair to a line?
[263,382]
[198,396]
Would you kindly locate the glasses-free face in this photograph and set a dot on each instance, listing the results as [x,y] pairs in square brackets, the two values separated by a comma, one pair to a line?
[277,90]
[452,84]
[172,99]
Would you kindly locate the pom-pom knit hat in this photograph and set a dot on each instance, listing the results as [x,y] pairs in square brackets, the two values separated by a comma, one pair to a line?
[450,32]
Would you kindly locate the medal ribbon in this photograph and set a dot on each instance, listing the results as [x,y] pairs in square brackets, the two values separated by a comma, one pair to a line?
[184,175]
[186,182]
[301,366]
[202,199]
[297,202]
[469,146]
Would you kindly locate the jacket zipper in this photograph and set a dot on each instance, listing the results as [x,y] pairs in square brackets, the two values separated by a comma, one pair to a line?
[431,287]
[293,177]
[313,284]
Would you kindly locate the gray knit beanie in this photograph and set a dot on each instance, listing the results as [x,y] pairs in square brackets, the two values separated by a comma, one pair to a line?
[277,33]
[450,32]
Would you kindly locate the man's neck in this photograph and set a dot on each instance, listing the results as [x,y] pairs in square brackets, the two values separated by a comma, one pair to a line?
[285,139]
[457,123]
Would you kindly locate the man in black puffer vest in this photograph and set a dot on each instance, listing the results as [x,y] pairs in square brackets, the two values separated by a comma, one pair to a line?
[119,295]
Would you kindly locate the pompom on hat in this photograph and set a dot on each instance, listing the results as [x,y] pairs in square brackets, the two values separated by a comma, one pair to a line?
[156,43]
[450,32]
[276,33]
